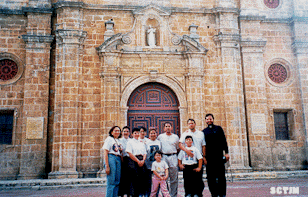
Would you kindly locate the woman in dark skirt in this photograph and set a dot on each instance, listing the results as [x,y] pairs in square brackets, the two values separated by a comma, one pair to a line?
[137,169]
[125,179]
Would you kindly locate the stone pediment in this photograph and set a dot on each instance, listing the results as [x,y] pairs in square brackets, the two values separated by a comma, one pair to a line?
[115,43]
[151,33]
[151,7]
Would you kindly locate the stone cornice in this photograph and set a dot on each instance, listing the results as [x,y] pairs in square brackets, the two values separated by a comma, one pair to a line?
[264,19]
[37,10]
[38,38]
[25,10]
[132,8]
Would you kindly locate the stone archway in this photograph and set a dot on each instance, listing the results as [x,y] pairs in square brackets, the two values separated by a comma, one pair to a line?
[172,84]
[151,105]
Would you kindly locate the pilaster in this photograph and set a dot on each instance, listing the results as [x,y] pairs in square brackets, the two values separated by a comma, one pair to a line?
[67,113]
[233,99]
[36,93]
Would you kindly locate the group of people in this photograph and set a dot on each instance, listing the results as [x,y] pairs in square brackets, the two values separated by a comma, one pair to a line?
[140,166]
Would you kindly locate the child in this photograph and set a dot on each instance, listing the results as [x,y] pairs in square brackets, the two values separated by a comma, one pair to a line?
[160,170]
[191,166]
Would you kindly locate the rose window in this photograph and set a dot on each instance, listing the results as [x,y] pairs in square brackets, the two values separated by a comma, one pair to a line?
[277,73]
[8,69]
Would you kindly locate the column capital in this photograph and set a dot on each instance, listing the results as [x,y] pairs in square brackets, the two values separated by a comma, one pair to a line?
[300,47]
[227,40]
[253,46]
[70,36]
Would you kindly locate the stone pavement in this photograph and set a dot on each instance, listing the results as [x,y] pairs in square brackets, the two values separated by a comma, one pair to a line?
[291,183]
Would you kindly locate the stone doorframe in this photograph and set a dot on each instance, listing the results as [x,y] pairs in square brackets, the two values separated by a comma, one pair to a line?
[173,85]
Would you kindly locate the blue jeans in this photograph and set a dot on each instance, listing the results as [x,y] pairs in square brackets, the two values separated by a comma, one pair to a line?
[113,179]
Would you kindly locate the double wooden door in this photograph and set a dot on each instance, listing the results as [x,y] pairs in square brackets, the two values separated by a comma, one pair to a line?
[151,105]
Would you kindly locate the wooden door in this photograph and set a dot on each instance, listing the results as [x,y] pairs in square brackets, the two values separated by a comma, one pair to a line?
[151,105]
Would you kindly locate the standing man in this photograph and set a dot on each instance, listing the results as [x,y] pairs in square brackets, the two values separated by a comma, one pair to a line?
[198,142]
[216,155]
[170,147]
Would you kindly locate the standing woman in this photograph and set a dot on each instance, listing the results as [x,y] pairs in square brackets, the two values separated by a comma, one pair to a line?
[112,156]
[152,146]
[136,163]
[125,179]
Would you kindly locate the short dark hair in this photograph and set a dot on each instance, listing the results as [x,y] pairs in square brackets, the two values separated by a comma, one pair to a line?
[143,128]
[209,115]
[167,123]
[189,136]
[158,152]
[125,127]
[152,129]
[190,119]
[112,128]
[135,129]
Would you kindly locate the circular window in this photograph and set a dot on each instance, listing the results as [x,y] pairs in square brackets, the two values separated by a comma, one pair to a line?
[272,3]
[8,69]
[277,73]
[11,68]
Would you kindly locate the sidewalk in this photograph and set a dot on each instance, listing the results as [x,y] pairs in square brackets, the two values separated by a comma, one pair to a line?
[39,184]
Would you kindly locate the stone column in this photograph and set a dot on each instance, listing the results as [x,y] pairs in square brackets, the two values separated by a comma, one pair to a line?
[36,93]
[227,41]
[195,89]
[67,124]
[111,89]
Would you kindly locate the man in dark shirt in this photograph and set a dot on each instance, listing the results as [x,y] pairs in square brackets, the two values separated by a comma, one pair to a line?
[216,156]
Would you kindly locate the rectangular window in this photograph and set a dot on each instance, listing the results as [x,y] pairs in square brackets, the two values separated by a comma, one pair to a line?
[283,121]
[6,126]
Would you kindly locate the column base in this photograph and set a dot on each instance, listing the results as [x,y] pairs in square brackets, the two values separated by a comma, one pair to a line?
[30,176]
[65,175]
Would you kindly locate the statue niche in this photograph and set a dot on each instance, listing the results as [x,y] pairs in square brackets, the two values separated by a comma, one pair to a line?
[152,33]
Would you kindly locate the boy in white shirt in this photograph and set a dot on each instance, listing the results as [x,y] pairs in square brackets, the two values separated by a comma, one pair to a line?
[191,166]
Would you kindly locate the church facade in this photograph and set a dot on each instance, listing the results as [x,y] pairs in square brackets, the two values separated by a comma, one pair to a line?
[70,70]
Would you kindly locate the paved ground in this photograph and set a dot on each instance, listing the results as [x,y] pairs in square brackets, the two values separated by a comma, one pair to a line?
[256,188]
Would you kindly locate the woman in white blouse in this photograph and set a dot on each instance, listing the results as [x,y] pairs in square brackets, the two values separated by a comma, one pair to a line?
[137,153]
[112,156]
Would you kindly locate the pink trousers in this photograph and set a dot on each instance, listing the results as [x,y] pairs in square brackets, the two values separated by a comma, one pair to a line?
[163,187]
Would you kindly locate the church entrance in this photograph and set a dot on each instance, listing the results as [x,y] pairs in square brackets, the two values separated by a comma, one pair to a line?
[151,105]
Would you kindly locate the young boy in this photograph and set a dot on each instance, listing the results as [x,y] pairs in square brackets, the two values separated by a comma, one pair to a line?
[160,170]
[191,166]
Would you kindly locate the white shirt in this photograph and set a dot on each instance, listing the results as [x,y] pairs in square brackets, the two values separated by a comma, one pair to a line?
[159,167]
[144,140]
[169,143]
[112,145]
[186,160]
[135,147]
[198,139]
[123,141]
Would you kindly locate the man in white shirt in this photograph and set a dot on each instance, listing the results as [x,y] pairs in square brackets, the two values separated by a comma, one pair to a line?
[170,147]
[198,138]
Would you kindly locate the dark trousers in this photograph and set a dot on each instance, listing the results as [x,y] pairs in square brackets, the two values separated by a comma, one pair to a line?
[193,183]
[125,179]
[137,175]
[216,178]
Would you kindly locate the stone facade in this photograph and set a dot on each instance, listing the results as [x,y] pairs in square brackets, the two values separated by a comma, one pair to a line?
[79,62]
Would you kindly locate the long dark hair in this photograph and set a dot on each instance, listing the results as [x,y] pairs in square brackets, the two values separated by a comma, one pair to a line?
[112,128]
